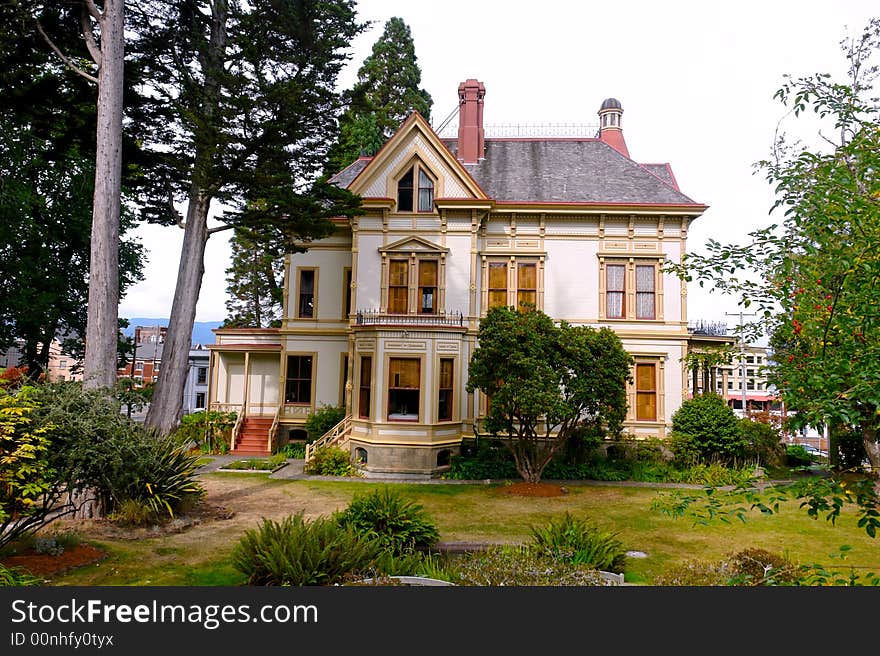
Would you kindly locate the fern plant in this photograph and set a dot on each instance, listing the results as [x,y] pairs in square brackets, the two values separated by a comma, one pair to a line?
[399,524]
[578,541]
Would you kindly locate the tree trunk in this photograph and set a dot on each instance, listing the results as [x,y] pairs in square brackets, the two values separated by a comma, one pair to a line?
[165,407]
[167,401]
[99,366]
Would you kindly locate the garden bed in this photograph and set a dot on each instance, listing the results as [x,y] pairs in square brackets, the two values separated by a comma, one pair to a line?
[256,466]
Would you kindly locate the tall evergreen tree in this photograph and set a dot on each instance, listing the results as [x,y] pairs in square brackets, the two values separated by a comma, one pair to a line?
[243,107]
[48,122]
[386,91]
[255,279]
[101,25]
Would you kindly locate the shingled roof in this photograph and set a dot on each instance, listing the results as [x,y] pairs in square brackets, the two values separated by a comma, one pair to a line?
[347,175]
[569,170]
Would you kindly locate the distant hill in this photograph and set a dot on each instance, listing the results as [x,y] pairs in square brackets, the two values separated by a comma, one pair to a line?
[201,333]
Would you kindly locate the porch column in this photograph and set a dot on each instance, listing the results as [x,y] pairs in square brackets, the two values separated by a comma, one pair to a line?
[247,383]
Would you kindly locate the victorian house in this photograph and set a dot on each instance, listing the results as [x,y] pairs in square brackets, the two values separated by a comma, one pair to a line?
[382,317]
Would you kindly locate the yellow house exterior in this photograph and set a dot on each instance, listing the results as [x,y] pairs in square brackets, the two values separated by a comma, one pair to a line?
[382,317]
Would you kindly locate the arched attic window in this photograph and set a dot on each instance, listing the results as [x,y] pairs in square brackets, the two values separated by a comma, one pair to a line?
[407,191]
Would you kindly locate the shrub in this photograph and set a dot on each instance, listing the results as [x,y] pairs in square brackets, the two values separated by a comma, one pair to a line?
[713,428]
[763,442]
[485,460]
[850,447]
[210,431]
[578,541]
[519,566]
[330,461]
[797,456]
[399,524]
[750,567]
[762,567]
[297,552]
[322,420]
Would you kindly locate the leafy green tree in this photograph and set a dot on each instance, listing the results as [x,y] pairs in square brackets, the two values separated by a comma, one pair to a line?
[544,381]
[254,289]
[386,91]
[25,471]
[45,244]
[813,275]
[242,110]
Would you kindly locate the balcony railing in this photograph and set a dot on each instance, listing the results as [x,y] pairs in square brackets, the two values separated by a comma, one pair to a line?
[374,317]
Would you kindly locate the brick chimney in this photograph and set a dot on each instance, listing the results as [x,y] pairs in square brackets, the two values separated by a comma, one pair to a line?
[470,121]
[610,131]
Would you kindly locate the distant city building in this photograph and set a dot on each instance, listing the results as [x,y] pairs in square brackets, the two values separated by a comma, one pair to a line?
[195,391]
[744,377]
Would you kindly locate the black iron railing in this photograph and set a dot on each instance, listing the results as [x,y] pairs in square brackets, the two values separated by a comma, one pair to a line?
[374,317]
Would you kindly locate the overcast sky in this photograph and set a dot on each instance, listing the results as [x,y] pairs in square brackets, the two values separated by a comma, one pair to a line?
[696,81]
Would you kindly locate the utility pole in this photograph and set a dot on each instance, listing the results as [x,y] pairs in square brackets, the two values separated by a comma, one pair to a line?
[742,353]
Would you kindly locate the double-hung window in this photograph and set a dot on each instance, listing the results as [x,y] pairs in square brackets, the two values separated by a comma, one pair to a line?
[646,392]
[306,299]
[298,387]
[631,290]
[398,286]
[415,186]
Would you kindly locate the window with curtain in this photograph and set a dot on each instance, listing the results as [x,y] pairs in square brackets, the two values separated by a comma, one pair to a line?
[428,286]
[398,286]
[497,284]
[364,387]
[306,304]
[426,192]
[415,189]
[527,285]
[615,289]
[444,397]
[645,280]
[646,392]
[403,389]
[298,387]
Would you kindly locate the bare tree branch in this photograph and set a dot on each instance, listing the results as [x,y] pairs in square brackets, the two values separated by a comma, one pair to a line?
[89,36]
[211,231]
[67,61]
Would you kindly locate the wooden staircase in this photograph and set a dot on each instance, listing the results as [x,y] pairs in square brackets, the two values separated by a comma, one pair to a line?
[337,436]
[253,437]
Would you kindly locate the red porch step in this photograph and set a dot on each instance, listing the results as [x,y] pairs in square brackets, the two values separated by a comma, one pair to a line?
[253,437]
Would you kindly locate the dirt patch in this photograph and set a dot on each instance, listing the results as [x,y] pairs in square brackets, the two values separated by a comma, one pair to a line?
[523,489]
[42,565]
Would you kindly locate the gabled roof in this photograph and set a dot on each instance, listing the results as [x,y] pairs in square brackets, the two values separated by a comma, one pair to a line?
[414,136]
[570,171]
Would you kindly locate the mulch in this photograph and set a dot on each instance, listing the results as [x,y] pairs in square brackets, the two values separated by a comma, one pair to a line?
[43,565]
[524,489]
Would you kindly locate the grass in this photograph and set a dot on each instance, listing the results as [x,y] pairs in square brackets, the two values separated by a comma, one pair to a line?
[484,513]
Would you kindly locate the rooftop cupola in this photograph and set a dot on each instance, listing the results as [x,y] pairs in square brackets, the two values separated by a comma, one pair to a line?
[610,130]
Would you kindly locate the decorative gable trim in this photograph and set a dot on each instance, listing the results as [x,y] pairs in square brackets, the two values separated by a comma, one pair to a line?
[413,245]
[415,138]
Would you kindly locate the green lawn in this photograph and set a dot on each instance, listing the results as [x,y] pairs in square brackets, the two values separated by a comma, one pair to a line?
[484,513]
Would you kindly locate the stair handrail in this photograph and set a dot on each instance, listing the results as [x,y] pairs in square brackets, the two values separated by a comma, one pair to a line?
[329,438]
[239,419]
[273,430]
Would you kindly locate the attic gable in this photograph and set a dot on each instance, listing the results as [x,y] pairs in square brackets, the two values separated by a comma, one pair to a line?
[414,140]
